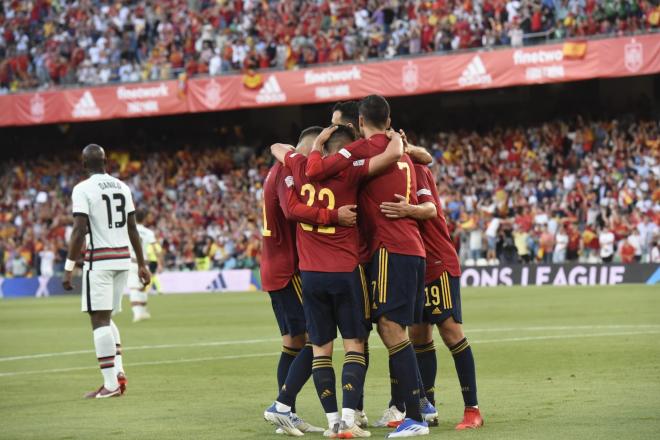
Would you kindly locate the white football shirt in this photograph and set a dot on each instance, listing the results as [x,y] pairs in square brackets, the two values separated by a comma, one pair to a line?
[107,202]
[147,237]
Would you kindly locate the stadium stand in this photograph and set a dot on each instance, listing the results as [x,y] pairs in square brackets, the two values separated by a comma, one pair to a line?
[45,44]
[562,191]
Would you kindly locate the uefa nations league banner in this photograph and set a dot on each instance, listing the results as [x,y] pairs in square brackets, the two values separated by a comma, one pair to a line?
[171,282]
[503,67]
[483,276]
[560,275]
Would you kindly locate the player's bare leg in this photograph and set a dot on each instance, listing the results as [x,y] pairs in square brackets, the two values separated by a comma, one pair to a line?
[454,338]
[105,345]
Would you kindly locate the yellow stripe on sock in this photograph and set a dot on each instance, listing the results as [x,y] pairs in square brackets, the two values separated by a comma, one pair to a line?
[460,348]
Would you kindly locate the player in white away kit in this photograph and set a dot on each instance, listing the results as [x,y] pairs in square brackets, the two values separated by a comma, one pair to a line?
[104,216]
[137,292]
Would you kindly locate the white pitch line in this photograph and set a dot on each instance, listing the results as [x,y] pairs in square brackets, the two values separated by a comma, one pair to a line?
[259,341]
[140,347]
[254,355]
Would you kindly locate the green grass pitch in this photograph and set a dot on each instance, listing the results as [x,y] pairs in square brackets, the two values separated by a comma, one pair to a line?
[555,363]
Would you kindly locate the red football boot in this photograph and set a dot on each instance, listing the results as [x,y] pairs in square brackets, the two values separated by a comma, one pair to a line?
[103,393]
[123,381]
[471,419]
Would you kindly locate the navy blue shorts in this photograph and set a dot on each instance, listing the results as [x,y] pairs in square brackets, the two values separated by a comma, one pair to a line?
[334,300]
[288,308]
[397,287]
[443,299]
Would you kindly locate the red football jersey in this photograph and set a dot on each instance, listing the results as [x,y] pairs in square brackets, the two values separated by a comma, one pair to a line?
[334,248]
[279,260]
[399,236]
[440,253]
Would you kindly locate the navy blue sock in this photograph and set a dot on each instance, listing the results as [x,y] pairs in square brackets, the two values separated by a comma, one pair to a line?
[286,359]
[360,405]
[352,379]
[467,375]
[299,372]
[404,369]
[324,381]
[395,395]
[428,368]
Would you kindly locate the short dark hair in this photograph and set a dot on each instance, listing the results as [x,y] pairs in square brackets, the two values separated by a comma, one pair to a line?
[341,137]
[350,112]
[375,110]
[314,130]
[140,215]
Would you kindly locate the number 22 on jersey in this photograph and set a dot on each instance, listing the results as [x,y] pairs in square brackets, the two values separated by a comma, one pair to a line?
[309,190]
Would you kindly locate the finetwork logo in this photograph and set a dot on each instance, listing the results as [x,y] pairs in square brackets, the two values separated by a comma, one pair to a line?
[271,92]
[475,74]
[86,107]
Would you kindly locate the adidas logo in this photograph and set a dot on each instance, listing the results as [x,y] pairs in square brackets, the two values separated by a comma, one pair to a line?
[436,311]
[348,387]
[474,74]
[218,283]
[86,107]
[271,92]
[326,393]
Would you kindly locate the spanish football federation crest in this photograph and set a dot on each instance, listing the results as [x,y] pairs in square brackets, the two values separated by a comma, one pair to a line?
[410,77]
[37,108]
[633,56]
[212,94]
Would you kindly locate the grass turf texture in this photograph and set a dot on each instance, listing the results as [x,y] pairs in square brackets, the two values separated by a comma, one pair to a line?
[568,362]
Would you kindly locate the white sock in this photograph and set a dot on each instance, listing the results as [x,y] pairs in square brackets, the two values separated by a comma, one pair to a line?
[104,343]
[138,302]
[119,361]
[333,418]
[348,416]
[280,407]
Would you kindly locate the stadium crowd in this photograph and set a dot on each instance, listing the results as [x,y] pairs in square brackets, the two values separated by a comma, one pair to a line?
[557,192]
[45,43]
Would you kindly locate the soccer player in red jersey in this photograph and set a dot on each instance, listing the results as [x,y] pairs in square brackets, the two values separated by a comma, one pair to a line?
[279,263]
[442,307]
[335,293]
[395,251]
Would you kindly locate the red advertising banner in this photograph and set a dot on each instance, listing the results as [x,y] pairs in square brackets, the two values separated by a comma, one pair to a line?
[570,61]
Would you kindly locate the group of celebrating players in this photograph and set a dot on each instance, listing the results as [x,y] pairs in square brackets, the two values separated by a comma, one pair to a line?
[353,235]
[391,263]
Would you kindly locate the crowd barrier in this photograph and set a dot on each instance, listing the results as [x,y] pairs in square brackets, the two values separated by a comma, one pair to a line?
[473,276]
[171,282]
